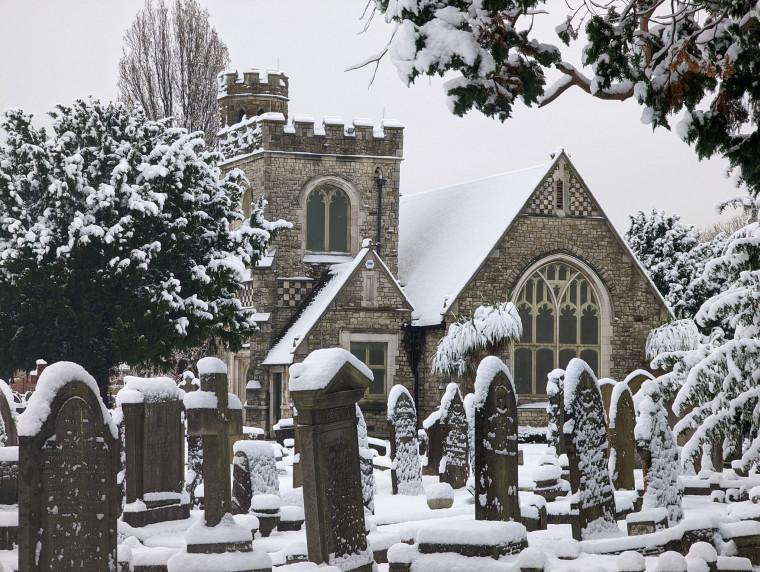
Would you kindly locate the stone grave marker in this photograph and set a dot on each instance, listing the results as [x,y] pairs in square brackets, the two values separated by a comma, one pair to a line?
[454,466]
[434,450]
[9,452]
[366,463]
[194,467]
[69,457]
[556,410]
[325,388]
[254,472]
[585,434]
[622,443]
[406,473]
[8,434]
[469,411]
[153,429]
[297,473]
[606,386]
[215,414]
[496,484]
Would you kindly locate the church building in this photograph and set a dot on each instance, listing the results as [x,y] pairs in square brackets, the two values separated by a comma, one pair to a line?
[384,275]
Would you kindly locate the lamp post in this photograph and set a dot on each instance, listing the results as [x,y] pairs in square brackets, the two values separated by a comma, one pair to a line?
[380,184]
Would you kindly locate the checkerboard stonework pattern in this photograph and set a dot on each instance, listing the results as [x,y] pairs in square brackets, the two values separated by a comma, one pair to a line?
[543,201]
[290,293]
[579,202]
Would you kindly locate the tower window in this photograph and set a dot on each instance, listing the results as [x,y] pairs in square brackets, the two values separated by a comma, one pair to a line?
[560,196]
[327,220]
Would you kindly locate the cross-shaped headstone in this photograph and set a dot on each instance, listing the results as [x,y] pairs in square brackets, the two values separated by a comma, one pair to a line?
[214,415]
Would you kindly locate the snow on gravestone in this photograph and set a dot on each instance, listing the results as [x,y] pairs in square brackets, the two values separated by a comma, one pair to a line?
[194,467]
[8,440]
[585,434]
[69,457]
[620,436]
[325,388]
[659,453]
[153,429]
[434,450]
[496,485]
[254,472]
[406,473]
[555,410]
[365,463]
[454,465]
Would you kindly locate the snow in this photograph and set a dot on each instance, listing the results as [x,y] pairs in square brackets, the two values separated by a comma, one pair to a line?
[228,562]
[320,367]
[265,502]
[226,531]
[439,491]
[211,366]
[434,265]
[488,369]
[677,336]
[477,532]
[630,561]
[51,381]
[148,390]
[200,400]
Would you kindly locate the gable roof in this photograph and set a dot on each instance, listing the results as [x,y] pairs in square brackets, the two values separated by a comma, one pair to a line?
[445,234]
[283,351]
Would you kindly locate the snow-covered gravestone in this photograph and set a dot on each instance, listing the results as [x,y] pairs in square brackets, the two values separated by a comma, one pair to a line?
[622,444]
[216,542]
[659,453]
[194,467]
[254,472]
[325,388]
[406,473]
[69,457]
[496,486]
[454,466]
[153,429]
[8,433]
[556,410]
[585,435]
[366,464]
[434,449]
[9,443]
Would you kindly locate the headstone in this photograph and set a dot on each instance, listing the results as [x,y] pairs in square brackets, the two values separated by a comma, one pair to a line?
[606,386]
[454,466]
[622,444]
[69,455]
[585,433]
[325,389]
[8,433]
[406,473]
[215,414]
[556,411]
[254,473]
[432,427]
[496,483]
[297,473]
[153,429]
[194,467]
[469,411]
[366,464]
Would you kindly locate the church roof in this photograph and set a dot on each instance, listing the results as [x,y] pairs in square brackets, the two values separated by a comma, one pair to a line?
[445,235]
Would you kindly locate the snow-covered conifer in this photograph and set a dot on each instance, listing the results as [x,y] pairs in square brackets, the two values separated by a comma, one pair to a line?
[657,445]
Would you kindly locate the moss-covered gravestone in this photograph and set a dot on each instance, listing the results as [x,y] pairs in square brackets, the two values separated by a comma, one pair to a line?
[556,410]
[69,458]
[585,434]
[622,443]
[496,485]
[325,389]
[406,473]
[454,466]
[153,429]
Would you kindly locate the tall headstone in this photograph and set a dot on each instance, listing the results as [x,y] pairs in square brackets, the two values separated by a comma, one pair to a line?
[254,473]
[366,463]
[8,433]
[606,386]
[325,388]
[622,443]
[556,410]
[194,467]
[153,429]
[406,473]
[434,449]
[454,466]
[215,414]
[9,456]
[69,455]
[469,411]
[585,433]
[297,473]
[496,483]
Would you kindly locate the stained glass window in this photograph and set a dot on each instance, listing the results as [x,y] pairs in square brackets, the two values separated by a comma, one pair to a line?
[327,220]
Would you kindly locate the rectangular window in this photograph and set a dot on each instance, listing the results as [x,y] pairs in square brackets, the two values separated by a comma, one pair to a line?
[375,356]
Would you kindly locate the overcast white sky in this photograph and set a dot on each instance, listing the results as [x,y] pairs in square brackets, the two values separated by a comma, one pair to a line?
[57,51]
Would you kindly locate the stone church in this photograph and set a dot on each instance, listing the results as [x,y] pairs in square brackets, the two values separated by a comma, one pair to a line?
[384,275]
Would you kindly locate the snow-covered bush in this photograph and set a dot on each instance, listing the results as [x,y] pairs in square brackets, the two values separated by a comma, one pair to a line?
[486,331]
[657,446]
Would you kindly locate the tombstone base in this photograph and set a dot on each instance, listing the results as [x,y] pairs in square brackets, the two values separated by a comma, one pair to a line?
[152,515]
[251,561]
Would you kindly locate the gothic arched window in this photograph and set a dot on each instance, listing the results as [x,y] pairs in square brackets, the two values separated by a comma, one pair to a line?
[328,220]
[560,315]
[245,202]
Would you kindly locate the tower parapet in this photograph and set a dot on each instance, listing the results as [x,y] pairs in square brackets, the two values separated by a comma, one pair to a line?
[252,93]
[270,132]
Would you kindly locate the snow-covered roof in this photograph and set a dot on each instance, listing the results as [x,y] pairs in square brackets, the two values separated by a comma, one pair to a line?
[283,351]
[445,235]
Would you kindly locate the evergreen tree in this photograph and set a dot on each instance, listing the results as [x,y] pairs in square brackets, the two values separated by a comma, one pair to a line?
[700,59]
[116,241]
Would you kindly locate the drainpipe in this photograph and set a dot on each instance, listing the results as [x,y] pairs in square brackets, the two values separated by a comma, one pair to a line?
[380,184]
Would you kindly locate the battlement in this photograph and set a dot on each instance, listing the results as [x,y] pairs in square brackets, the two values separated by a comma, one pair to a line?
[252,93]
[271,132]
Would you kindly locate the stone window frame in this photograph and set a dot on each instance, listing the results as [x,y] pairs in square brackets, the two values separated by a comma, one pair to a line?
[603,301]
[392,352]
[560,195]
[246,202]
[285,408]
[354,198]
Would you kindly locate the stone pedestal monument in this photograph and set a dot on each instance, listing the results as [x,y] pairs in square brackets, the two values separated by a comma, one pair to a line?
[325,389]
